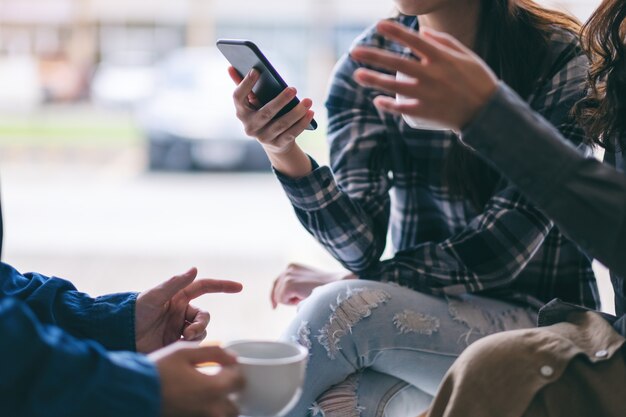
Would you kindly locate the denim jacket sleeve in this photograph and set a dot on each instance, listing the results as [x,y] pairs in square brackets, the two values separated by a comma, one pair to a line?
[108,320]
[45,371]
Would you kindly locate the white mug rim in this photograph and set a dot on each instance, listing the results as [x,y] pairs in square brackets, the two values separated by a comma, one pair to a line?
[301,355]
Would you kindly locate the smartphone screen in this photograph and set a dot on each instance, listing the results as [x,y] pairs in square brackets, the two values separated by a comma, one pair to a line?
[244,55]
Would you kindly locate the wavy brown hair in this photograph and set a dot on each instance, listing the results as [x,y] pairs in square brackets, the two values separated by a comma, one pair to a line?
[513,38]
[603,111]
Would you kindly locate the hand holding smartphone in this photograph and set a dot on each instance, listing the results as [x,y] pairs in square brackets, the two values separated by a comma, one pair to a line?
[244,55]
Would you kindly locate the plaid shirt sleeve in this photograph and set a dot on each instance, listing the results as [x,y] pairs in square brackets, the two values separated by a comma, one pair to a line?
[347,209]
[349,214]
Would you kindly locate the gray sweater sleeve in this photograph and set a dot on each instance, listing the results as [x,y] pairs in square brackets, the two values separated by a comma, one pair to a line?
[584,197]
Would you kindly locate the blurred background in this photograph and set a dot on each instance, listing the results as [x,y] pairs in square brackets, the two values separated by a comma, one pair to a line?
[121,159]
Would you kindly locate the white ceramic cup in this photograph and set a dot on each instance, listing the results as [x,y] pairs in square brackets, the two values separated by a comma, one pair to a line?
[415,122]
[274,373]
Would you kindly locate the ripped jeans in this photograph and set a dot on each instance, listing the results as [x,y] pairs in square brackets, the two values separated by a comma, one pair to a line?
[378,349]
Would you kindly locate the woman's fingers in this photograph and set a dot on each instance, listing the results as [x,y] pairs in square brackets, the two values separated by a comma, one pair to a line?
[266,114]
[451,82]
[292,133]
[273,293]
[390,61]
[254,101]
[386,83]
[276,134]
[282,284]
[234,75]
[409,107]
[288,294]
[240,95]
[285,126]
[421,47]
[260,123]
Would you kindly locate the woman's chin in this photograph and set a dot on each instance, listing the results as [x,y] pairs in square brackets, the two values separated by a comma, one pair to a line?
[419,7]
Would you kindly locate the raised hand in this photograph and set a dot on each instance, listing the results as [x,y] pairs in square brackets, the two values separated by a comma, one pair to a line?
[297,281]
[278,137]
[450,84]
[163,314]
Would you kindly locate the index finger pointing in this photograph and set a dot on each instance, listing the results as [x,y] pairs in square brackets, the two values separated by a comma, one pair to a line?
[208,286]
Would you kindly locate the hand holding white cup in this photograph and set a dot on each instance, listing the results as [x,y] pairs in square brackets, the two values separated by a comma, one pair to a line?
[413,121]
[273,373]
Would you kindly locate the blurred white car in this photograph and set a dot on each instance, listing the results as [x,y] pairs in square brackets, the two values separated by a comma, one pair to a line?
[20,83]
[123,81]
[190,120]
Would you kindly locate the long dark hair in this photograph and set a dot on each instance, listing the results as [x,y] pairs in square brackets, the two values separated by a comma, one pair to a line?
[603,111]
[513,39]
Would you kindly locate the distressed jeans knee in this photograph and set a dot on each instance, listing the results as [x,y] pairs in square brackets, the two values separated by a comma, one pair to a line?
[341,400]
[482,322]
[345,305]
[350,308]
[355,327]
[371,394]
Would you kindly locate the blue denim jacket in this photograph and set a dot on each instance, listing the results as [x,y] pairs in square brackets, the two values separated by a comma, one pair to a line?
[63,353]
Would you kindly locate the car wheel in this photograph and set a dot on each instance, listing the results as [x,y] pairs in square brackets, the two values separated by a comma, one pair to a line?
[169,155]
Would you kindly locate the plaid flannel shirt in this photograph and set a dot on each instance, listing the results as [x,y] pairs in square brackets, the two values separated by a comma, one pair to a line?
[387,176]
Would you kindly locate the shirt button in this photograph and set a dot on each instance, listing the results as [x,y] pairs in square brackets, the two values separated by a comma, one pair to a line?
[602,354]
[547,371]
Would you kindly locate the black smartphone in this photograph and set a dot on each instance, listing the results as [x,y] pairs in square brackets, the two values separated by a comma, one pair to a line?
[244,55]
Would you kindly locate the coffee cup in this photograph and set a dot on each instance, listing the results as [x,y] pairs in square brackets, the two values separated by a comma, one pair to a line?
[415,122]
[273,373]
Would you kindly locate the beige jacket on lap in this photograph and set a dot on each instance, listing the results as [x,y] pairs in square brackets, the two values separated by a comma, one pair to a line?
[574,369]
